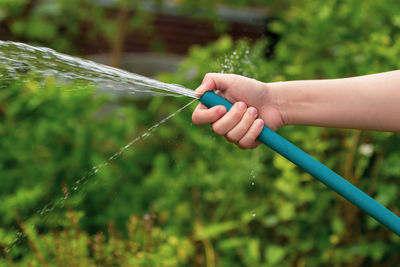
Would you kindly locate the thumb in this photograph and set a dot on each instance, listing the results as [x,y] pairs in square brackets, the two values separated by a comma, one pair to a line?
[215,81]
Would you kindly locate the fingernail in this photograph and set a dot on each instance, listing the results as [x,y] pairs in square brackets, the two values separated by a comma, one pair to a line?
[221,111]
[200,89]
[260,123]
[241,105]
[253,111]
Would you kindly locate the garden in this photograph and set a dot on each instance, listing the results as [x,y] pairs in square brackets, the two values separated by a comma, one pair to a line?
[181,195]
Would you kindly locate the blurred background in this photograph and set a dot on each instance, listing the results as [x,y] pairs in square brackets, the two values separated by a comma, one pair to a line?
[184,196]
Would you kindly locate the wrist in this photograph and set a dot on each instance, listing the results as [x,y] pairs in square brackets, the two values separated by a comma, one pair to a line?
[278,99]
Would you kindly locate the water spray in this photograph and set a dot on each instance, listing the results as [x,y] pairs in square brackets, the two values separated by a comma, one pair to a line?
[317,169]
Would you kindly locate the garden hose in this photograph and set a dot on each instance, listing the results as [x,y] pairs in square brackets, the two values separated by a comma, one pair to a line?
[317,169]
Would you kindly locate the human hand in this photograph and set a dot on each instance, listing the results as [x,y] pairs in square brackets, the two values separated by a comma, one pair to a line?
[242,124]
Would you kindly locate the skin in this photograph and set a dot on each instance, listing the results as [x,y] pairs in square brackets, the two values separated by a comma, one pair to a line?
[370,102]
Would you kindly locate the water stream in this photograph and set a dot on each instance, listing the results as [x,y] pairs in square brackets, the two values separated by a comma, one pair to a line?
[18,59]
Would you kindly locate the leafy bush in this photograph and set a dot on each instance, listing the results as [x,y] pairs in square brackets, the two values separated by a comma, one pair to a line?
[303,221]
[196,185]
[144,245]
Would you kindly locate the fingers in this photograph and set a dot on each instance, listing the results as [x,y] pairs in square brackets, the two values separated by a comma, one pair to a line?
[239,131]
[230,119]
[249,139]
[240,125]
[203,115]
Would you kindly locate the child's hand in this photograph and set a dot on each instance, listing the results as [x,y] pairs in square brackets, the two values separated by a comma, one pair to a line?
[253,106]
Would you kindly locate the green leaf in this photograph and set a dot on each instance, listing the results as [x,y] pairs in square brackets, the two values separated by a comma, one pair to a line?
[275,254]
[215,230]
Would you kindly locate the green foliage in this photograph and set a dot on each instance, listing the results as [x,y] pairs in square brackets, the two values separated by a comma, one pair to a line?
[192,187]
[144,245]
[59,24]
[338,38]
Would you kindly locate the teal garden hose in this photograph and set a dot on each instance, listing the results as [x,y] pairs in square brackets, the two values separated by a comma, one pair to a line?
[317,169]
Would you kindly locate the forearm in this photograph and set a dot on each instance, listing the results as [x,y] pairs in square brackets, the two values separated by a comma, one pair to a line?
[366,102]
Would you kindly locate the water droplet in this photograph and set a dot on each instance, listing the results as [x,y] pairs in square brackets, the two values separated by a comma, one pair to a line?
[253,213]
[253,183]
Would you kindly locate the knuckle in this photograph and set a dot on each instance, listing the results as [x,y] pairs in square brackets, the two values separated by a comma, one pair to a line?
[231,138]
[217,129]
[195,119]
[209,76]
[242,146]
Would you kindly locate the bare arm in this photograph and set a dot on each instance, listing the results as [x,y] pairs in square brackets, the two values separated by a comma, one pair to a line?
[366,102]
